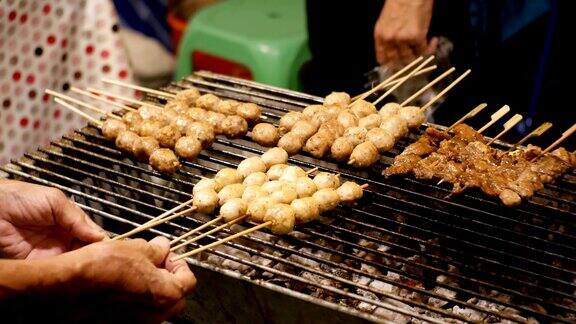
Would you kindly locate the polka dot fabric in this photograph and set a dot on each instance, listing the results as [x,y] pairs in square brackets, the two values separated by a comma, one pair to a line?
[52,44]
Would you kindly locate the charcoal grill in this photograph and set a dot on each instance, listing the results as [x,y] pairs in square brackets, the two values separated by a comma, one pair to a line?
[404,253]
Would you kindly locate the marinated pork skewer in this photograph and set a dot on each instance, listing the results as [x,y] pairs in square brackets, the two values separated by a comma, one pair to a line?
[535,133]
[507,126]
[564,136]
[494,118]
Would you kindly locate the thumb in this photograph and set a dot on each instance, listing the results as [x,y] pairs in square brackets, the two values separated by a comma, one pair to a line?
[73,220]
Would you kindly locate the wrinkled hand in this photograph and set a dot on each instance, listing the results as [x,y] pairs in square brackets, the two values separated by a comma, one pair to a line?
[132,280]
[38,222]
[400,34]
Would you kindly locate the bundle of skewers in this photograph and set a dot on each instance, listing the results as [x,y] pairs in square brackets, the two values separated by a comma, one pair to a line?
[463,157]
[264,190]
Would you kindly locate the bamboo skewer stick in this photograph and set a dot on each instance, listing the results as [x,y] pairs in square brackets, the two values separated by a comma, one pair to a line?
[79,112]
[428,86]
[403,79]
[382,85]
[495,116]
[203,235]
[443,92]
[391,78]
[149,225]
[312,170]
[564,136]
[224,240]
[123,98]
[136,87]
[81,103]
[470,114]
[507,126]
[104,99]
[196,230]
[535,133]
[155,219]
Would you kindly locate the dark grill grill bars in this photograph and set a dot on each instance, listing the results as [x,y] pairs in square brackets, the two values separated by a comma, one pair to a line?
[405,253]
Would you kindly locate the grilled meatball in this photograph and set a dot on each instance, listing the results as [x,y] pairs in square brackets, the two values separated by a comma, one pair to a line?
[347,119]
[356,135]
[332,127]
[318,145]
[253,192]
[235,190]
[292,173]
[388,110]
[363,108]
[233,208]
[381,139]
[274,156]
[281,217]
[132,119]
[305,210]
[305,187]
[203,132]
[327,199]
[349,191]
[291,143]
[251,165]
[272,186]
[164,160]
[341,149]
[288,120]
[370,121]
[170,115]
[276,171]
[188,147]
[196,114]
[395,126]
[321,118]
[150,127]
[326,180]
[256,178]
[144,146]
[310,111]
[341,98]
[182,122]
[205,201]
[249,111]
[334,110]
[207,184]
[265,134]
[228,176]
[177,105]
[216,120]
[150,112]
[304,129]
[167,136]
[188,96]
[413,116]
[364,155]
[207,101]
[257,209]
[234,126]
[285,195]
[227,107]
[111,128]
[125,141]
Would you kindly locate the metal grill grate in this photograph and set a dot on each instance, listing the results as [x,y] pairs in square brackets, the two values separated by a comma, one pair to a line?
[405,252]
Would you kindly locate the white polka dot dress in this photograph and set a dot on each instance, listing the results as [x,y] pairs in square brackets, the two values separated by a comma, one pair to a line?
[53,44]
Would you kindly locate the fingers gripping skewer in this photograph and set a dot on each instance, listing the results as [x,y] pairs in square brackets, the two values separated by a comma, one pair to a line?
[427,86]
[224,240]
[443,92]
[203,235]
[403,79]
[79,112]
[564,136]
[470,114]
[197,229]
[507,126]
[123,98]
[535,133]
[495,117]
[83,104]
[104,99]
[394,76]
[139,88]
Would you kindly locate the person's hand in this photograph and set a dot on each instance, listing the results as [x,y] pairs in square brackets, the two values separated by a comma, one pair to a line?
[132,279]
[400,34]
[38,222]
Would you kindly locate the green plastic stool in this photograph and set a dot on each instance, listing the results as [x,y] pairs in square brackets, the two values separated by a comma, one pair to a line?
[267,36]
